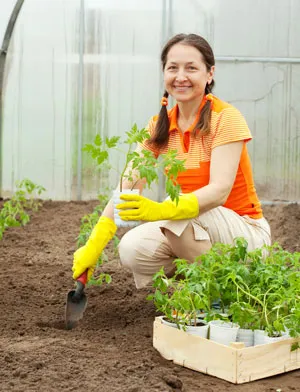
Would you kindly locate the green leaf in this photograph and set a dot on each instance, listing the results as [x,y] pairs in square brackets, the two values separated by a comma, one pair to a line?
[98,140]
[108,278]
[112,142]
[295,346]
[102,156]
[136,135]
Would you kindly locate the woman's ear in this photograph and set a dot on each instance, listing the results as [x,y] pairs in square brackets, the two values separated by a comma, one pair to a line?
[211,74]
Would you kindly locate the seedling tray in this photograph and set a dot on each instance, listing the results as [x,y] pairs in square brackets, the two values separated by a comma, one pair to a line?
[235,363]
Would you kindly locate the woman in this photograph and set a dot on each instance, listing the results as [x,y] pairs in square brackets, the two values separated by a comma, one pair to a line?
[218,201]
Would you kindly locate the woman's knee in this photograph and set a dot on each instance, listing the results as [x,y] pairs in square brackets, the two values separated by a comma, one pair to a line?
[144,249]
[186,245]
[127,250]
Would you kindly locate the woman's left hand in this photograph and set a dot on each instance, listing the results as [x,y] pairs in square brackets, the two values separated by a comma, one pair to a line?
[138,207]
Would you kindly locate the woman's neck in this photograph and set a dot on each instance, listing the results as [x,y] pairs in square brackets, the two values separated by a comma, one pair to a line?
[187,111]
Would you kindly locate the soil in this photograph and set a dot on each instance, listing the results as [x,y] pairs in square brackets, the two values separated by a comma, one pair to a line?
[111,348]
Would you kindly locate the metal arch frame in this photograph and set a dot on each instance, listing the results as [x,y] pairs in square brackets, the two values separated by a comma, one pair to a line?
[80,91]
[166,33]
[3,51]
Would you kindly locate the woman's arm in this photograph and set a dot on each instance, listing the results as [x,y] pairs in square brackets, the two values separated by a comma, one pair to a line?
[137,183]
[223,168]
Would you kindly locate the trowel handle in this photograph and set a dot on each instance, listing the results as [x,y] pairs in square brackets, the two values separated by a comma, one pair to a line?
[83,278]
[80,285]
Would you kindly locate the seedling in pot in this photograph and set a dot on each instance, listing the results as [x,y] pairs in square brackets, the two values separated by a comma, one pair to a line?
[139,166]
[256,290]
[265,283]
[180,298]
[144,162]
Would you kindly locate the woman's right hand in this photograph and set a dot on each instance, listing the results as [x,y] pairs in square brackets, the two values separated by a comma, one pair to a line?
[86,257]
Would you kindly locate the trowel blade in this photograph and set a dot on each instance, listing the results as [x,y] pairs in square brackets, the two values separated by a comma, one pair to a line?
[74,309]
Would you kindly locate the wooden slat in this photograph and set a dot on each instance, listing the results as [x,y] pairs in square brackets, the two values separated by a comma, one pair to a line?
[232,363]
[194,352]
[266,360]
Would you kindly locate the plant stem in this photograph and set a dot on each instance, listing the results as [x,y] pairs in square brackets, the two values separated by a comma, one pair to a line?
[124,168]
[265,307]
[134,184]
[249,294]
[253,297]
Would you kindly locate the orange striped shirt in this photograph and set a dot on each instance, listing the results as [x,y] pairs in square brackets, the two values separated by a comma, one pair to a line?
[227,125]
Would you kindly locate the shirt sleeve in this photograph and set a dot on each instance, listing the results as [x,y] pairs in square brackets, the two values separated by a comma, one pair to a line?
[231,127]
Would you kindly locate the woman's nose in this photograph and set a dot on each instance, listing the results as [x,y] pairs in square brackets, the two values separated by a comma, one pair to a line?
[181,76]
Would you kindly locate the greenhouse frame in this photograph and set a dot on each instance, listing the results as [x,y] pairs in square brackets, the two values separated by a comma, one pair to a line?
[71,69]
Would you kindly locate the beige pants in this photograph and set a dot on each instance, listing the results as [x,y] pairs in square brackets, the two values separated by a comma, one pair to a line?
[149,246]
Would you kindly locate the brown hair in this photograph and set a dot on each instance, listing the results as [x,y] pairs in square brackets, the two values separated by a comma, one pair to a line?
[161,136]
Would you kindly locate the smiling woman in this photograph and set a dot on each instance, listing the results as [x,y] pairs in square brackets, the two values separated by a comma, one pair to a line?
[218,201]
[186,75]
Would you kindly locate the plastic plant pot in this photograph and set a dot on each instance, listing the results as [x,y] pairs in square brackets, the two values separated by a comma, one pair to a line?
[116,200]
[201,329]
[223,332]
[246,336]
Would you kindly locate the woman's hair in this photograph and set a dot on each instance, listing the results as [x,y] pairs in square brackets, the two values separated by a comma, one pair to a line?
[160,138]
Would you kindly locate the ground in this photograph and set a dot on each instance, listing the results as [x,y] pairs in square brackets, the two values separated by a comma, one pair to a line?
[111,349]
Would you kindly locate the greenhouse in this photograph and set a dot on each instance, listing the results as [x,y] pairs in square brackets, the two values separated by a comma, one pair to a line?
[188,281]
[75,68]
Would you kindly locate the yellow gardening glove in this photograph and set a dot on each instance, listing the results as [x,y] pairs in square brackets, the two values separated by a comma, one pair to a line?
[139,207]
[85,258]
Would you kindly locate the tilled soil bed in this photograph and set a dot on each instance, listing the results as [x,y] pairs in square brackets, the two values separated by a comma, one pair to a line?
[111,349]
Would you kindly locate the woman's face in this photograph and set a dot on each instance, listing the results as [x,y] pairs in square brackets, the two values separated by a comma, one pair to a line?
[185,73]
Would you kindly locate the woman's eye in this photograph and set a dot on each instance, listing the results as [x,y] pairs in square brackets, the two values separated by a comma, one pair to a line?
[171,67]
[192,68]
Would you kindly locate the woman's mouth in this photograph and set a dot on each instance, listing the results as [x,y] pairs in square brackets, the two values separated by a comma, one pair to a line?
[181,88]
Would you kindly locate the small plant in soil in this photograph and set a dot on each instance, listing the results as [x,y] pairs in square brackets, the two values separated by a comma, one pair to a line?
[16,211]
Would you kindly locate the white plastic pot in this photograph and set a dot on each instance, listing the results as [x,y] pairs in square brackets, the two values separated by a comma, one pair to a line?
[246,336]
[261,337]
[166,322]
[116,200]
[199,330]
[223,332]
[272,339]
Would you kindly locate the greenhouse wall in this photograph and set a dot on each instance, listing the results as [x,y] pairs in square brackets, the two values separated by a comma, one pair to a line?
[76,68]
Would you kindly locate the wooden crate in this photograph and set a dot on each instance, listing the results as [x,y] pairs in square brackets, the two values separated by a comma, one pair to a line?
[235,363]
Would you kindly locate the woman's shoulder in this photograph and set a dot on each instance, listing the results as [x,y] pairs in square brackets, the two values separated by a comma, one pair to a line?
[219,105]
[225,111]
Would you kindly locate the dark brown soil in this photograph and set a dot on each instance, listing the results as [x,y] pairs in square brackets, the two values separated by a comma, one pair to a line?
[111,349]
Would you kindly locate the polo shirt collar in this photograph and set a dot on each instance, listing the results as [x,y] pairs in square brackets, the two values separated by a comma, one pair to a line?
[173,116]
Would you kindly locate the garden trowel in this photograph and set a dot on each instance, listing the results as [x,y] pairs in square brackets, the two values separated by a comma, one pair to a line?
[76,302]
